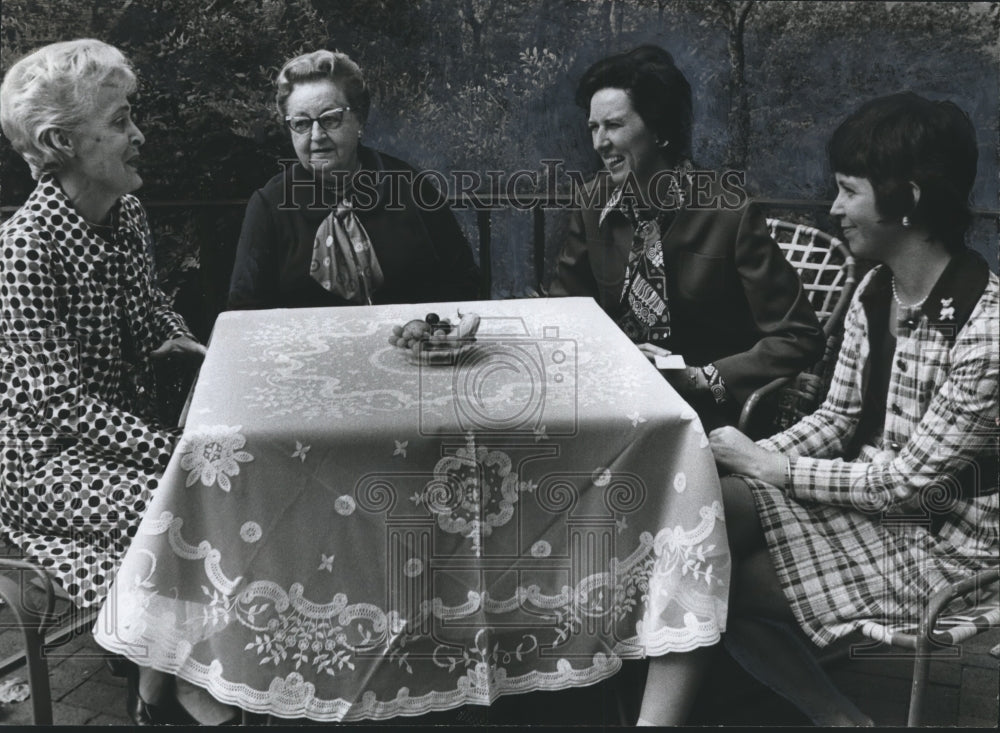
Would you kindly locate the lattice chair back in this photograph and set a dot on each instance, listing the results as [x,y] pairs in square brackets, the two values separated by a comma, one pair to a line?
[828,272]
[824,263]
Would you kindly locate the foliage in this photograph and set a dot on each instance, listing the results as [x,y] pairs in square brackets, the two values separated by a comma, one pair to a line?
[488,85]
[810,64]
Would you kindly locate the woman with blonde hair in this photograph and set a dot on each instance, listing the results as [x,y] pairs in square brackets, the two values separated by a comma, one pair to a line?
[81,321]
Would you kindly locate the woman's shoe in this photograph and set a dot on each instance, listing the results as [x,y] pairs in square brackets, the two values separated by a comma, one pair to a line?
[136,708]
[141,712]
[118,666]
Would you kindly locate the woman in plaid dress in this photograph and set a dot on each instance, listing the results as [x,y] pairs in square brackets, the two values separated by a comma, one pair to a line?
[888,492]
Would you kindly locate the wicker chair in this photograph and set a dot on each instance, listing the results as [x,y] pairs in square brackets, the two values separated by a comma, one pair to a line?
[829,275]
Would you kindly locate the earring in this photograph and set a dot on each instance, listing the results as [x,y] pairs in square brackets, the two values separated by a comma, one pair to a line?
[906,221]
[360,133]
[664,144]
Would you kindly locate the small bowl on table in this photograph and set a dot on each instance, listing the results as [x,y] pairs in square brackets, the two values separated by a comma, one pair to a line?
[434,342]
[439,353]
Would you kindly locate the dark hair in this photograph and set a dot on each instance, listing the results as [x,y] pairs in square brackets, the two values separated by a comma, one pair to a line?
[903,137]
[658,90]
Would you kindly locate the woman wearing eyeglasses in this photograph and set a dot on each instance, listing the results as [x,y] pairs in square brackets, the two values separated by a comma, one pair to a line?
[345,224]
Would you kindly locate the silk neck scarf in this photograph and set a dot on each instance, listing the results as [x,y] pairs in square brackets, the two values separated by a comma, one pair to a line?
[343,260]
[646,312]
[644,299]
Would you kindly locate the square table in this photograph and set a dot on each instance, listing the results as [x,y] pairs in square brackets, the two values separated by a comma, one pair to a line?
[343,534]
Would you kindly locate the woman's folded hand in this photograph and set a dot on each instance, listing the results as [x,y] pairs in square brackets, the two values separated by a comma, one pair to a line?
[180,346]
[735,453]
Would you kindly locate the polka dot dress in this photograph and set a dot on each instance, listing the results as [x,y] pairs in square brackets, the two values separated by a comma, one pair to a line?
[81,453]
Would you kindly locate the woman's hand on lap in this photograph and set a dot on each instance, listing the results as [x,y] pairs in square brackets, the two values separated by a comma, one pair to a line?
[180,346]
[735,453]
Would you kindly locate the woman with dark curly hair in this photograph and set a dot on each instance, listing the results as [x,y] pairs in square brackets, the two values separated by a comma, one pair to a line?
[677,256]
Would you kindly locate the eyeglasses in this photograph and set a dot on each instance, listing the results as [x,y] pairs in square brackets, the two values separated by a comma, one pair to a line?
[329,121]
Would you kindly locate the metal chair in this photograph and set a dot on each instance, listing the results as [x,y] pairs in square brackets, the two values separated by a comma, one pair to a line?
[828,272]
[34,621]
[938,635]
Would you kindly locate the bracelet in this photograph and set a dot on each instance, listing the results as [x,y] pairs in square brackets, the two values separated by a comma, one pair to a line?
[715,383]
[788,473]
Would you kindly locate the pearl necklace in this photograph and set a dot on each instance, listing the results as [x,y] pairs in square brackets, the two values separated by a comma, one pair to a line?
[900,303]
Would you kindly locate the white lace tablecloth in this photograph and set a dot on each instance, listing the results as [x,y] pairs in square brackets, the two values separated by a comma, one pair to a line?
[342,534]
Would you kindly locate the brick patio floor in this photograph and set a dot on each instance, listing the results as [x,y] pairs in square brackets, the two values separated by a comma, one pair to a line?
[962,692]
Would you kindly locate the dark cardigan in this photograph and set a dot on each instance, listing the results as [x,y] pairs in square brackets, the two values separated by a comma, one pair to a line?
[420,247]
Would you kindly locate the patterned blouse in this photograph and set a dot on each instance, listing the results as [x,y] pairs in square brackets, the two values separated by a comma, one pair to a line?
[647,317]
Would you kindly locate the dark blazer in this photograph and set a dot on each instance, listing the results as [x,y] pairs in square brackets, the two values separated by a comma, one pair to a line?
[734,299]
[419,245]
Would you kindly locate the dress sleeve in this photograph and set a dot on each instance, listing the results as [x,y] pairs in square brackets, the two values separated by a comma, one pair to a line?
[827,432]
[959,427]
[166,323]
[45,379]
[254,280]
[573,271]
[791,337]
[458,276]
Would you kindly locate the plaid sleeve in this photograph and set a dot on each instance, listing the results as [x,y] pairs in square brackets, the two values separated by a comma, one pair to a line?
[960,425]
[825,433]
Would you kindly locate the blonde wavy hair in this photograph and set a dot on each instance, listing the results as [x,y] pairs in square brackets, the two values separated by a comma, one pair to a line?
[51,90]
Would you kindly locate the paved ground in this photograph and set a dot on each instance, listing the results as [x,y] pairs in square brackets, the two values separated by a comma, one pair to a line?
[962,692]
[83,691]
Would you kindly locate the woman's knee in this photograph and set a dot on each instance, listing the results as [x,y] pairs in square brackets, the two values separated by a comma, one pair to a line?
[742,522]
[756,588]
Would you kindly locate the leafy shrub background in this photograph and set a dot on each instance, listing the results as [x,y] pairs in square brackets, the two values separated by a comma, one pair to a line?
[488,85]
